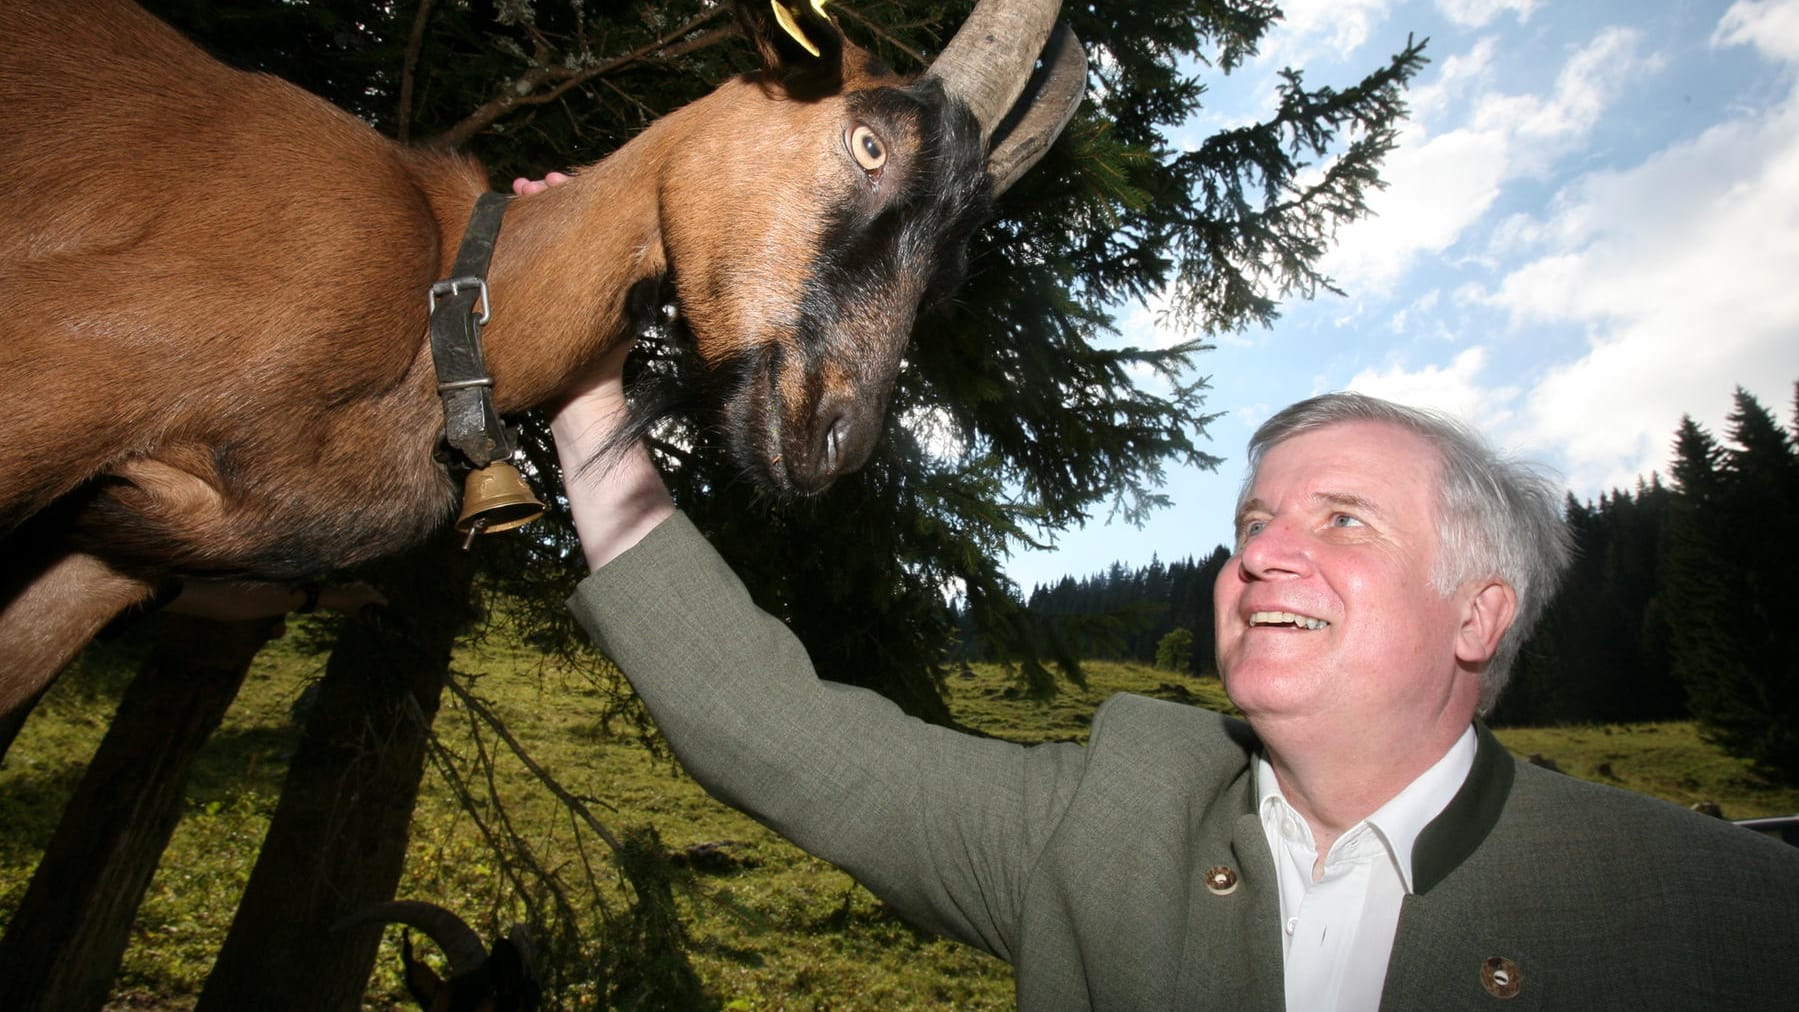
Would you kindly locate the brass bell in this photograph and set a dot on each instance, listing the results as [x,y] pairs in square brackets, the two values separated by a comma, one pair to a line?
[496,498]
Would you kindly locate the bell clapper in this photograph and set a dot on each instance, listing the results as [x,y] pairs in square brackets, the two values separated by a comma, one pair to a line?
[474,529]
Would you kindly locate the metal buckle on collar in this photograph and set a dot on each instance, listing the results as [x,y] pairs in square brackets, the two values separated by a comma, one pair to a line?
[454,286]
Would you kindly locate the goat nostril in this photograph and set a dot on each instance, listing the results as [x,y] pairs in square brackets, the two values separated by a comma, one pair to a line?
[831,459]
[837,442]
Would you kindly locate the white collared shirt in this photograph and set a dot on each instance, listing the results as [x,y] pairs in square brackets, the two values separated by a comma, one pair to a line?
[1337,933]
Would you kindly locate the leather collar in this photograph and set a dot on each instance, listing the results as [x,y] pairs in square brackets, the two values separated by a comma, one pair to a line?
[471,425]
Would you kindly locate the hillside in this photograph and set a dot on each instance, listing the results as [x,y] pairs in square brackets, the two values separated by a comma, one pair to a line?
[767,927]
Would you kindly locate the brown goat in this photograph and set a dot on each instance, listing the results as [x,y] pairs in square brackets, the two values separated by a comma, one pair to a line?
[213,347]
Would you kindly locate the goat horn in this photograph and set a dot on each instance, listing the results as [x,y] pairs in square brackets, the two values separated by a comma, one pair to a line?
[990,61]
[459,942]
[1046,106]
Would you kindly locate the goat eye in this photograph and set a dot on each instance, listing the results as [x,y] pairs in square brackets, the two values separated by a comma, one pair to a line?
[867,149]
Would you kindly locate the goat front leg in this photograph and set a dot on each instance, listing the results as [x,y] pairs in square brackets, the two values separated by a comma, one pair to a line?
[50,613]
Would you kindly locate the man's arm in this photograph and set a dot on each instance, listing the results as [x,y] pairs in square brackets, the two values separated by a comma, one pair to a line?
[944,826]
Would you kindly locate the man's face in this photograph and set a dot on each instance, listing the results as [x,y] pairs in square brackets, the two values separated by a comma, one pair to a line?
[1327,609]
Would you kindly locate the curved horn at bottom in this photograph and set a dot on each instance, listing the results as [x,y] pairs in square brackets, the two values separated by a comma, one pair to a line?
[459,942]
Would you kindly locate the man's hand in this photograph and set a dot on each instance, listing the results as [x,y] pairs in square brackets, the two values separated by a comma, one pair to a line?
[618,500]
[525,187]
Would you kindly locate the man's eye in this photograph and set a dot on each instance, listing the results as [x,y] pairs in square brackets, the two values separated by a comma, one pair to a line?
[1253,527]
[1344,520]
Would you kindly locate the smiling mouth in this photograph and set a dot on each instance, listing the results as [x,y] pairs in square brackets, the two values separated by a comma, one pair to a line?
[1286,620]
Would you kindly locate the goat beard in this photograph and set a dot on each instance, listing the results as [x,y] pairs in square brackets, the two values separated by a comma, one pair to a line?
[668,389]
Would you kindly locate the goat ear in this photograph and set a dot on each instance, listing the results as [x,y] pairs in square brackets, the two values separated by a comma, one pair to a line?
[802,50]
[513,975]
[421,981]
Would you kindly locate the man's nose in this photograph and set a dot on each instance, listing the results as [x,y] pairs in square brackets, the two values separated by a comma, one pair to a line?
[1277,549]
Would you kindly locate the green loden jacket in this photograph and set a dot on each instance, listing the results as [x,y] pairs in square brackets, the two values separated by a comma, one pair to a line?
[1132,873]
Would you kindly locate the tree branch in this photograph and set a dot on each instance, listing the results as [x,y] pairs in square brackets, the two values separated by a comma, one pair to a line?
[543,776]
[523,91]
[409,69]
[882,33]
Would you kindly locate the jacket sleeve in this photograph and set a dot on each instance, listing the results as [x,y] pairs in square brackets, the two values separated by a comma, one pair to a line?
[944,826]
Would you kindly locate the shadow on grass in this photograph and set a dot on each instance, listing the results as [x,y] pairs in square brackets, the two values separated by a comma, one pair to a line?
[33,800]
[35,789]
[239,759]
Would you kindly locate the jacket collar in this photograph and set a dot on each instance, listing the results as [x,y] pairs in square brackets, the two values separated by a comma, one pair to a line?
[1453,835]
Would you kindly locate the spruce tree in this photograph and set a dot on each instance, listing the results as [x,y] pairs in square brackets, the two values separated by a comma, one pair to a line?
[1762,475]
[1695,564]
[1730,589]
[1017,415]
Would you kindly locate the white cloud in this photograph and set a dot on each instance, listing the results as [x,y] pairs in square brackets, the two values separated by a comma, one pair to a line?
[1454,389]
[1311,29]
[1423,305]
[1436,188]
[1440,185]
[1515,235]
[1476,13]
[1142,324]
[1682,273]
[1590,81]
[1771,26]
[1456,75]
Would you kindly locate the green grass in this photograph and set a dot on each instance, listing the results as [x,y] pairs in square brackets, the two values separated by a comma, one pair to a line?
[766,926]
[1666,760]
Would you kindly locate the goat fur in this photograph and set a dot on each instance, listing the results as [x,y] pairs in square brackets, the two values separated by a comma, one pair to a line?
[214,347]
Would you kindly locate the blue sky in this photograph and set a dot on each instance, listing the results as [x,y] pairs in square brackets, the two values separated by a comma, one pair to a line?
[1591,229]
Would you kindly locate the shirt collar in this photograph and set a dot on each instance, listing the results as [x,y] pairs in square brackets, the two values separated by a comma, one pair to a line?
[1398,822]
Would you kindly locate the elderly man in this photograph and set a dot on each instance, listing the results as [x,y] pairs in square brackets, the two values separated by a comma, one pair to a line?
[1361,841]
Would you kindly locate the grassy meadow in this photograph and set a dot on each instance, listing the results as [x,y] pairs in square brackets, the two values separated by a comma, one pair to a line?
[761,925]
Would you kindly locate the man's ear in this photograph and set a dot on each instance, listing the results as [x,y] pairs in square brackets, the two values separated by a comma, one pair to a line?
[1486,616]
[802,50]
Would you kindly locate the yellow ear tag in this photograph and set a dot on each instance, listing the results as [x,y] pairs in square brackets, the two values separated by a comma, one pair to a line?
[791,27]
